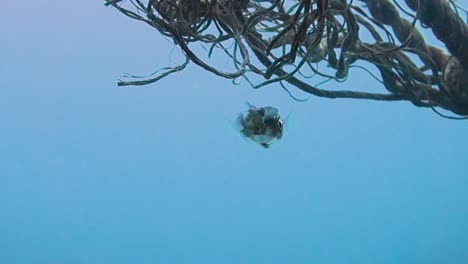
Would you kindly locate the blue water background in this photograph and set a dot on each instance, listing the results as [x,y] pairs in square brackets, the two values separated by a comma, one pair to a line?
[95,173]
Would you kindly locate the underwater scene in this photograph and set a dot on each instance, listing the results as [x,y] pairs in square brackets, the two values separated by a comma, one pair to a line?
[234,132]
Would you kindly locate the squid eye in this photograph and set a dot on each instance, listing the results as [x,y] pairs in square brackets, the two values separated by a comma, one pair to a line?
[280,123]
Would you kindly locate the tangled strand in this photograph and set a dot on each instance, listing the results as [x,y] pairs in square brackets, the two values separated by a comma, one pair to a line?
[281,40]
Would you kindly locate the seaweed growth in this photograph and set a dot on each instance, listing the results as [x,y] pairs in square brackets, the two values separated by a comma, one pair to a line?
[281,40]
